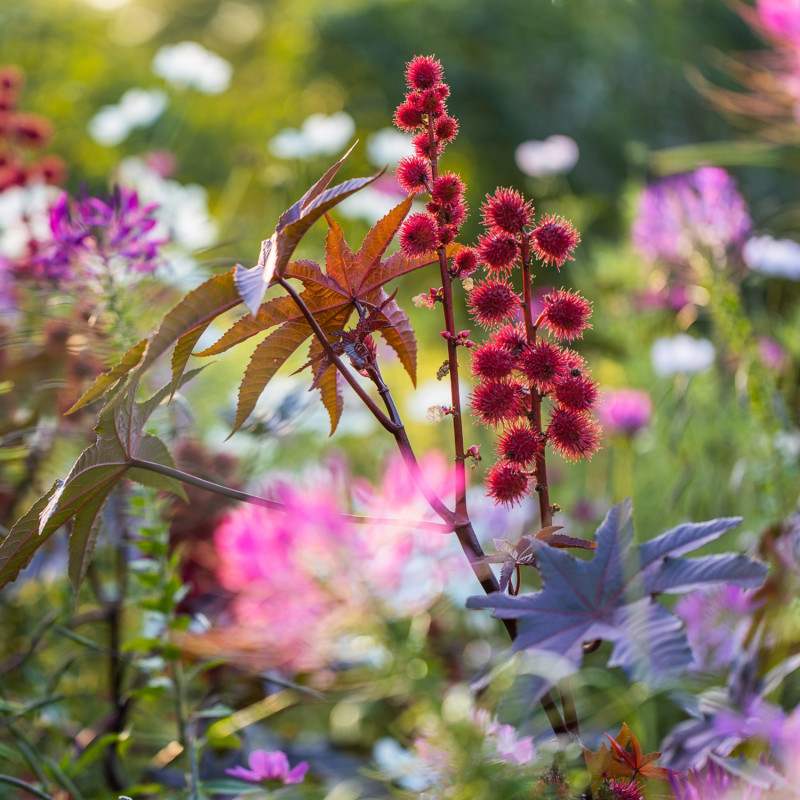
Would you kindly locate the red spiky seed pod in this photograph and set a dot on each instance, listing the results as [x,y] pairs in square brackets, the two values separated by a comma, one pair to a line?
[424,72]
[506,483]
[422,146]
[413,174]
[409,116]
[465,262]
[520,445]
[492,362]
[512,337]
[498,251]
[572,434]
[554,240]
[543,363]
[495,402]
[419,235]
[493,302]
[576,392]
[446,129]
[447,233]
[574,362]
[447,189]
[622,790]
[507,211]
[566,314]
[431,104]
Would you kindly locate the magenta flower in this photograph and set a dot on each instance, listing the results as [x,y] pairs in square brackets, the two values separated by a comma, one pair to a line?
[273,766]
[701,211]
[781,18]
[92,233]
[625,410]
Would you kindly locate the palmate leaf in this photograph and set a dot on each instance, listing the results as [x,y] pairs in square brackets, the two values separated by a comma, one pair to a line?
[611,596]
[293,224]
[82,495]
[349,282]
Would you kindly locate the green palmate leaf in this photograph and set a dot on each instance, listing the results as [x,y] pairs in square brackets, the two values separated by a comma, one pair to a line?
[108,379]
[612,597]
[185,323]
[82,495]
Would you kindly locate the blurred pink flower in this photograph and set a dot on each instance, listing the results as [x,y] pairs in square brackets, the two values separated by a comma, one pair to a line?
[304,577]
[625,410]
[772,354]
[272,766]
[781,18]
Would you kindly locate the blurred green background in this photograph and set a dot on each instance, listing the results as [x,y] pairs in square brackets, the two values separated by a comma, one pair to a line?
[611,74]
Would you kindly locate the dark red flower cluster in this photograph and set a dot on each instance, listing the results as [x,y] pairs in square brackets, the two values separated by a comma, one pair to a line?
[424,113]
[22,137]
[517,369]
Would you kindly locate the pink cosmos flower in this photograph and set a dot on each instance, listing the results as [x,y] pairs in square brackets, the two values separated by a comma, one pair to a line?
[781,18]
[272,766]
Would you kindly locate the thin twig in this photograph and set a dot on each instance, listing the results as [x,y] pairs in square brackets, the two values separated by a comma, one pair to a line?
[236,494]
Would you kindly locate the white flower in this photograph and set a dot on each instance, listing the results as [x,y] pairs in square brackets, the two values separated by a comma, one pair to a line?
[369,204]
[318,135]
[25,215]
[555,155]
[189,64]
[137,108]
[778,258]
[681,353]
[388,146]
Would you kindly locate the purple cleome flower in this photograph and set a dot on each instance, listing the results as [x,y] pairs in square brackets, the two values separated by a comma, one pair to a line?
[272,766]
[684,214]
[92,230]
[625,411]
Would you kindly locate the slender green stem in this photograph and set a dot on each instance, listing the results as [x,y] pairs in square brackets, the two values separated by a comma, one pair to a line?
[25,787]
[184,734]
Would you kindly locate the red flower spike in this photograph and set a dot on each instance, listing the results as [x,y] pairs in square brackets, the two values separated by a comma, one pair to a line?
[572,434]
[566,314]
[409,117]
[512,337]
[465,262]
[448,189]
[519,445]
[576,392]
[493,302]
[543,364]
[422,146]
[554,240]
[506,483]
[492,362]
[498,251]
[495,402]
[419,235]
[446,129]
[413,174]
[424,72]
[507,211]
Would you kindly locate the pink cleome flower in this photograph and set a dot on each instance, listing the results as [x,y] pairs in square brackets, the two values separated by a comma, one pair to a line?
[266,766]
